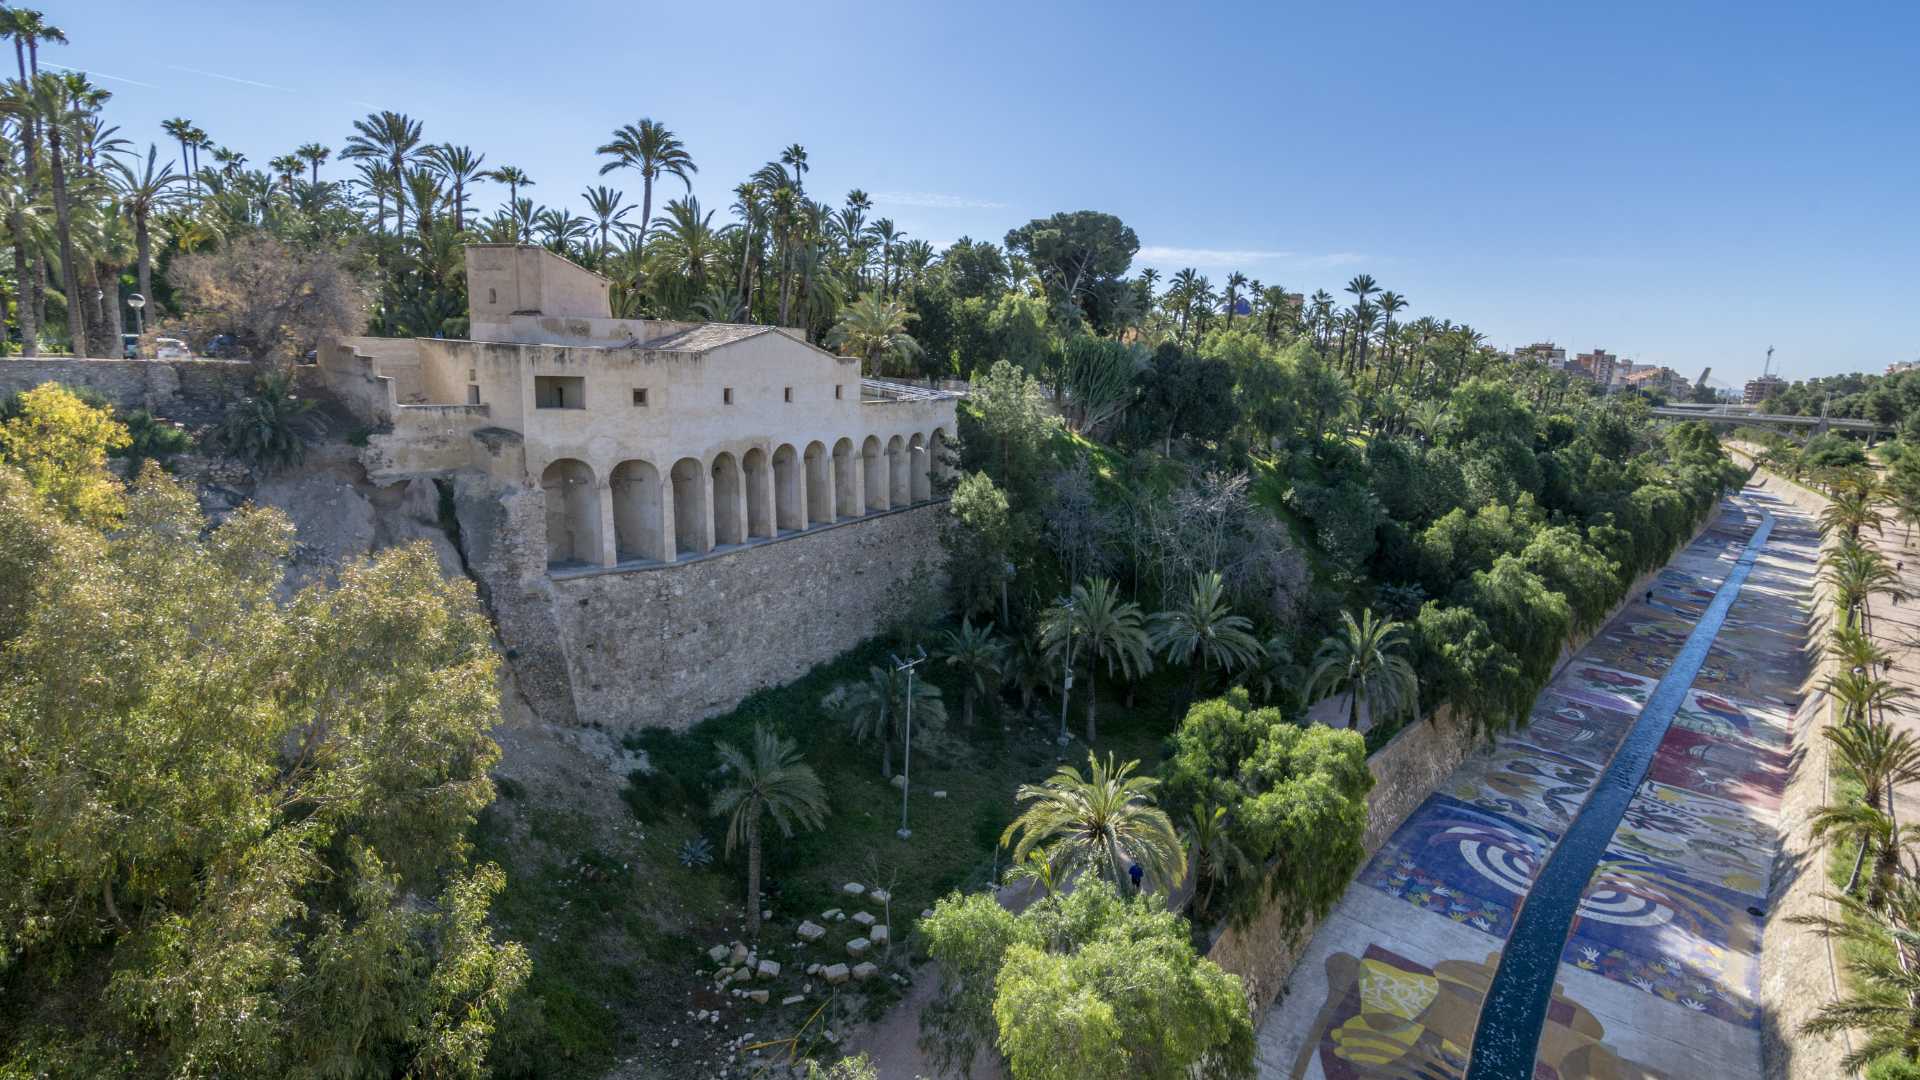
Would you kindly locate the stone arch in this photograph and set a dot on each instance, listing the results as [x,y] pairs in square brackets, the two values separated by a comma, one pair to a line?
[573,513]
[691,521]
[789,510]
[819,486]
[846,491]
[899,490]
[920,468]
[937,453]
[638,526]
[875,465]
[729,498]
[759,493]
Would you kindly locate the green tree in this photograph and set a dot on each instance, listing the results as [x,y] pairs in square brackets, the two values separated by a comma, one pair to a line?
[1077,255]
[1098,824]
[60,444]
[247,818]
[1204,634]
[975,654]
[1095,625]
[770,782]
[877,708]
[874,328]
[651,149]
[1883,985]
[979,538]
[1367,660]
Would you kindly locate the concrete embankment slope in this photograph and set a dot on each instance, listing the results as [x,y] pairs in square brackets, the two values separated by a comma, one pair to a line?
[1799,970]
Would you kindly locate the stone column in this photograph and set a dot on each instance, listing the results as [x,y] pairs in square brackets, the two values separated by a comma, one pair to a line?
[669,540]
[769,500]
[859,466]
[609,552]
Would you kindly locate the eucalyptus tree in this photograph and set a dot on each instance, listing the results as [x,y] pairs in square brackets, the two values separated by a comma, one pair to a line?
[653,151]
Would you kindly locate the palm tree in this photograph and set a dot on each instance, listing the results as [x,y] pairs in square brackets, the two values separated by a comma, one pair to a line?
[878,707]
[874,328]
[1849,512]
[654,151]
[392,138]
[1205,634]
[141,194]
[1215,858]
[459,166]
[315,155]
[1391,304]
[1881,996]
[1367,660]
[1235,282]
[976,653]
[1092,625]
[53,101]
[1854,572]
[1871,831]
[774,783]
[1362,286]
[513,177]
[1880,756]
[890,238]
[181,129]
[795,158]
[1099,823]
[609,211]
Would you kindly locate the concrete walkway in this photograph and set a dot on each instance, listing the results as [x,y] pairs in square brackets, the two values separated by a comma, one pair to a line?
[1659,975]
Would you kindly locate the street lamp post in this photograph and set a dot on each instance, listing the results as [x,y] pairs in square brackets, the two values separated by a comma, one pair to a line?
[1066,675]
[906,754]
[138,303]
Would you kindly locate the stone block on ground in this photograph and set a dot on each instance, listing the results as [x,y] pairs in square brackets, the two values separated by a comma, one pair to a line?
[865,971]
[811,931]
[858,947]
[879,896]
[768,969]
[879,935]
[864,918]
[793,999]
[739,955]
[834,973]
[717,953]
[853,888]
[759,997]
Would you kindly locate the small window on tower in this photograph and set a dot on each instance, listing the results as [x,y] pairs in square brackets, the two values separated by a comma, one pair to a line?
[726,396]
[836,391]
[473,395]
[639,395]
[789,395]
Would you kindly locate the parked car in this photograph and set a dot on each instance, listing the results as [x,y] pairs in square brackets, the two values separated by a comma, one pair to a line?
[171,348]
[130,346]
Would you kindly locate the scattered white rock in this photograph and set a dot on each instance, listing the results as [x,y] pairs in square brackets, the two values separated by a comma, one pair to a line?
[811,931]
[864,918]
[793,999]
[834,973]
[899,781]
[739,954]
[939,794]
[865,971]
[858,947]
[879,896]
[813,969]
[717,953]
[830,914]
[758,997]
[853,888]
[879,935]
[768,969]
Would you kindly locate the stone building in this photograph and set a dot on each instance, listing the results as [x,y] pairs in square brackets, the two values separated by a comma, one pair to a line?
[608,471]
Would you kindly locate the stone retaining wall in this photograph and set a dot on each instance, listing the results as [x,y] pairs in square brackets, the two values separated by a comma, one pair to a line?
[1409,768]
[193,392]
[669,646]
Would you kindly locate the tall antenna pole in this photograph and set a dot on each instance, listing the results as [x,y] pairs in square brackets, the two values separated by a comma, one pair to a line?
[1768,366]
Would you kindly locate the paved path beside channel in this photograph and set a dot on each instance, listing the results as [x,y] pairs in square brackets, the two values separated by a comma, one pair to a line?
[1658,976]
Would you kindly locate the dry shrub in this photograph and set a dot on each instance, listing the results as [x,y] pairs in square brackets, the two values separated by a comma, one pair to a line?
[278,303]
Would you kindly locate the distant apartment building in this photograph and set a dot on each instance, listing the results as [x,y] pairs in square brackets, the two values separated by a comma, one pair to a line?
[1658,380]
[1900,366]
[1545,353]
[1762,388]
[1600,364]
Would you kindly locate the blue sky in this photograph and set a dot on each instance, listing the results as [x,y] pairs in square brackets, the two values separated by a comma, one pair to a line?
[1680,183]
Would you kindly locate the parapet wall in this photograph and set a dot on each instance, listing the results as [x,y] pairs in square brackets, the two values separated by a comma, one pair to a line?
[669,646]
[190,391]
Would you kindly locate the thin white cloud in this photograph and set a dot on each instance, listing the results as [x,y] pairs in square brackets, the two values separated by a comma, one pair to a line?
[934,200]
[1160,253]
[101,75]
[232,79]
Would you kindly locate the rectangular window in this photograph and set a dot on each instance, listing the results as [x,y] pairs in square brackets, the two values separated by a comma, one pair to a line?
[726,396]
[559,392]
[836,391]
[789,395]
[473,395]
[472,376]
[639,395]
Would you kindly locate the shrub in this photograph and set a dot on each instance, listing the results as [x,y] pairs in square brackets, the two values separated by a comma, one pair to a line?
[267,428]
